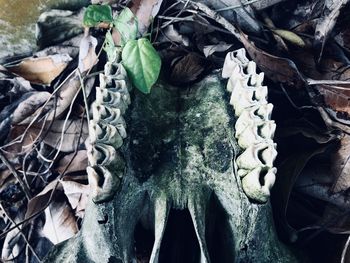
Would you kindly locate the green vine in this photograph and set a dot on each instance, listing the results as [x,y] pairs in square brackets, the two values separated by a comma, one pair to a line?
[140,59]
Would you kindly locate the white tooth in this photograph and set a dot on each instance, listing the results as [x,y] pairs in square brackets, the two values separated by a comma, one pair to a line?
[249,136]
[236,76]
[267,130]
[262,154]
[230,66]
[252,186]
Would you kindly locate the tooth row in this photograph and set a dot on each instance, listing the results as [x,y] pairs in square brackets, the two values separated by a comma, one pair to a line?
[254,129]
[107,130]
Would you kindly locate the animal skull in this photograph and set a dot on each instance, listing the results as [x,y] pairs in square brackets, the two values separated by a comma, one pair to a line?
[188,150]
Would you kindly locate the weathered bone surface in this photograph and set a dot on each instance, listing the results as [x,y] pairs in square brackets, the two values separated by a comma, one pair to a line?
[254,129]
[173,179]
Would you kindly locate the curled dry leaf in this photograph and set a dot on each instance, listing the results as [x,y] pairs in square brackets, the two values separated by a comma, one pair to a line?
[187,69]
[173,35]
[87,54]
[288,173]
[75,133]
[60,222]
[77,194]
[340,166]
[145,11]
[326,24]
[276,68]
[32,101]
[76,161]
[220,47]
[41,70]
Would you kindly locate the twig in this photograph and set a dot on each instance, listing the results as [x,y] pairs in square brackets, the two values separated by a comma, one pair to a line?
[312,82]
[20,231]
[16,175]
[236,6]
[84,96]
[216,17]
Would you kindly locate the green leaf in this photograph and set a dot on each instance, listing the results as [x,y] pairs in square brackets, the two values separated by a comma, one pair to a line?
[95,14]
[142,63]
[110,48]
[126,24]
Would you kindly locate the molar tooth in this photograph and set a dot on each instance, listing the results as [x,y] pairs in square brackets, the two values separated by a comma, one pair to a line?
[231,67]
[256,80]
[252,186]
[267,129]
[251,68]
[237,77]
[233,60]
[110,184]
[256,133]
[264,111]
[243,97]
[262,154]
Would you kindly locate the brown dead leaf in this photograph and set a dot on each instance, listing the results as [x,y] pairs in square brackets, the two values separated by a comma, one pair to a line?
[75,133]
[326,24]
[145,11]
[41,70]
[29,105]
[187,69]
[76,162]
[60,222]
[87,54]
[38,202]
[341,166]
[337,99]
[276,68]
[77,194]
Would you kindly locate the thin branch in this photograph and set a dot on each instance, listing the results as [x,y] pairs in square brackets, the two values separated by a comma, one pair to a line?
[20,231]
[24,187]
[236,6]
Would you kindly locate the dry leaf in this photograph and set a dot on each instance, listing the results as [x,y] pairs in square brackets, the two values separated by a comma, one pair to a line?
[60,222]
[276,68]
[288,172]
[77,194]
[77,162]
[172,35]
[87,54]
[41,70]
[31,101]
[38,202]
[145,11]
[187,69]
[326,24]
[211,49]
[341,166]
[75,133]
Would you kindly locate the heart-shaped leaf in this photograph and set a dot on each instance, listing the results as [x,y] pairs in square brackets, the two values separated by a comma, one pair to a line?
[96,14]
[142,63]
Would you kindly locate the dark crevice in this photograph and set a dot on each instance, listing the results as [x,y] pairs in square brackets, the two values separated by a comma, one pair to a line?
[179,244]
[219,236]
[144,239]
